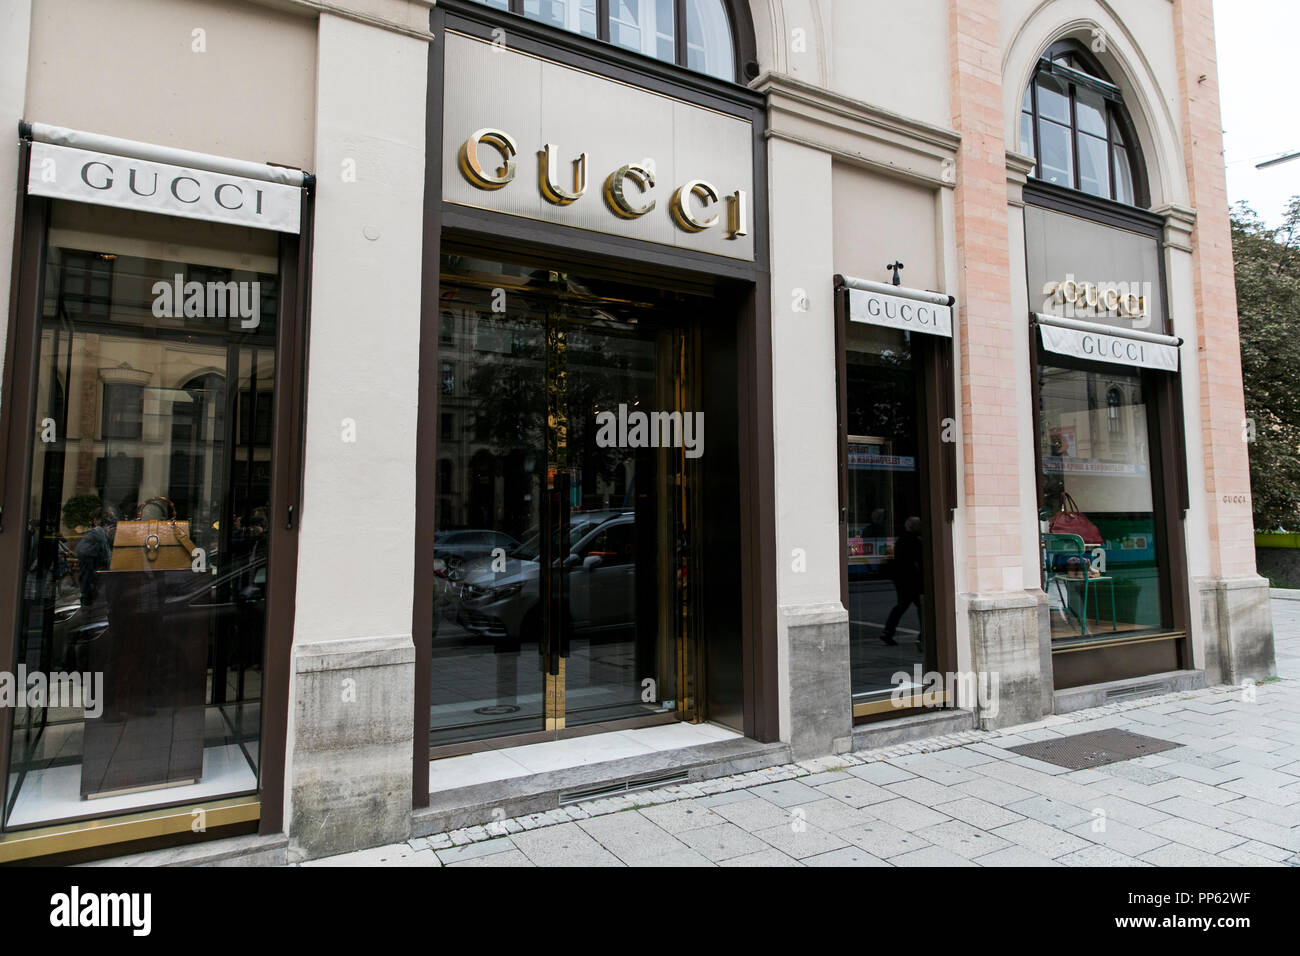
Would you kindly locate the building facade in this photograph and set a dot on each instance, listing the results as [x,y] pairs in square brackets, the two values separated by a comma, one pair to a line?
[359,355]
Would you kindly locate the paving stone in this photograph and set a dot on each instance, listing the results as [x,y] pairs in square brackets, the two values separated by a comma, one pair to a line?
[924,791]
[470,851]
[856,792]
[963,839]
[1261,850]
[1014,856]
[845,856]
[1239,855]
[1186,808]
[1120,837]
[882,839]
[637,841]
[880,773]
[721,798]
[721,842]
[1124,811]
[965,757]
[511,858]
[906,814]
[681,816]
[1041,839]
[1197,835]
[1266,793]
[800,843]
[995,791]
[830,814]
[979,813]
[786,794]
[1100,857]
[754,814]
[930,856]
[566,844]
[1055,813]
[825,777]
[1137,773]
[1259,810]
[1176,854]
[1284,838]
[763,858]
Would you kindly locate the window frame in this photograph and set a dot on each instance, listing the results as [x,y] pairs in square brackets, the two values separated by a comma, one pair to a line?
[1095,79]
[680,48]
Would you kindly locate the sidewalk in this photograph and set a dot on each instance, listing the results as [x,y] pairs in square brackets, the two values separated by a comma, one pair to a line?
[1228,795]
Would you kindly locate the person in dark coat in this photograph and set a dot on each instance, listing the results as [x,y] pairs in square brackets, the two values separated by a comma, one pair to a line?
[907,571]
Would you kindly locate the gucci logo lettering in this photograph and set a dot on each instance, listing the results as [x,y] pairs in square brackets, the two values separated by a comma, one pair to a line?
[694,206]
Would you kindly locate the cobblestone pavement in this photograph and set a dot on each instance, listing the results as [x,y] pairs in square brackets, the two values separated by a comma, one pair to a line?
[1228,795]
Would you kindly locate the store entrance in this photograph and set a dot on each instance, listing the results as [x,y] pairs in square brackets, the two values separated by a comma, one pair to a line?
[569,438]
[893,635]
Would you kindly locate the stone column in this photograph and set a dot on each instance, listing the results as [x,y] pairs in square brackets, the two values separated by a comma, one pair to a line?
[1234,599]
[352,707]
[816,712]
[1003,601]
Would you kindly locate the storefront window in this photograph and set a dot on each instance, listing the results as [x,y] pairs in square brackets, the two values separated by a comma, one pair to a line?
[1101,562]
[146,572]
[888,627]
[648,27]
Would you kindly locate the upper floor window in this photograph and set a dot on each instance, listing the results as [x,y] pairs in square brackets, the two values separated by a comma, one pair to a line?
[1074,124]
[695,34]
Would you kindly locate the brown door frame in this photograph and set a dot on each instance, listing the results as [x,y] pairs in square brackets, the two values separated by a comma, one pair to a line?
[17,395]
[937,470]
[632,258]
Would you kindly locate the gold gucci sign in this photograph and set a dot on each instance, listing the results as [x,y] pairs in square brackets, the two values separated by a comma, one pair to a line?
[695,206]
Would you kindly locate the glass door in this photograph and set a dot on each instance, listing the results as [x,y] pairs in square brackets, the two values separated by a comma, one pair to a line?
[561,548]
[891,624]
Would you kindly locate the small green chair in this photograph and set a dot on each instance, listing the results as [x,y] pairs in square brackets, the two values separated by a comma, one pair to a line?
[1058,545]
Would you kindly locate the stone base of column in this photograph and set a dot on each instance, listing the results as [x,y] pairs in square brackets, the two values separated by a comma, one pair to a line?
[820,680]
[1007,643]
[1238,626]
[350,741]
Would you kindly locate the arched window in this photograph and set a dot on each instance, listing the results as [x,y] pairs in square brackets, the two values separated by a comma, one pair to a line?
[1113,414]
[696,34]
[1074,124]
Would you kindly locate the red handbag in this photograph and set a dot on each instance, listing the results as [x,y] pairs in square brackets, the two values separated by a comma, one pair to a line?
[1070,520]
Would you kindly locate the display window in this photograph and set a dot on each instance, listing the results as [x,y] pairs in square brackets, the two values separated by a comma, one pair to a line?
[1103,572]
[143,602]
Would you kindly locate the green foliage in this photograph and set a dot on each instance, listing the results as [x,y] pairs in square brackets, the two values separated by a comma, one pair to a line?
[1267,263]
[78,510]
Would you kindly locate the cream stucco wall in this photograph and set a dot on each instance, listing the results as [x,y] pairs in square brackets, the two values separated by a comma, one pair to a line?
[242,87]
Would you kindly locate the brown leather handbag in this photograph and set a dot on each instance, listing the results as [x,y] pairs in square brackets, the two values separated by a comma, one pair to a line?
[152,545]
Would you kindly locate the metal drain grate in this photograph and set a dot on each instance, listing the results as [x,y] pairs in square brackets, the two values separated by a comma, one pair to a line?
[1093,749]
[628,786]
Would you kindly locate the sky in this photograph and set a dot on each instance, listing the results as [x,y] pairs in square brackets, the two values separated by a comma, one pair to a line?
[1259,99]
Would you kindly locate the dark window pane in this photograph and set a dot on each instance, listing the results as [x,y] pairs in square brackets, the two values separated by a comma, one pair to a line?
[577,16]
[1027,134]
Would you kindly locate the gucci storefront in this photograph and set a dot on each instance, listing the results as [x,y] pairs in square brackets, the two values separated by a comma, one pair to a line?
[150,421]
[594,522]
[1110,462]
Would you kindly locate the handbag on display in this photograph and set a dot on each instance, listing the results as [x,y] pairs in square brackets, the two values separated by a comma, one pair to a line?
[1070,520]
[152,545]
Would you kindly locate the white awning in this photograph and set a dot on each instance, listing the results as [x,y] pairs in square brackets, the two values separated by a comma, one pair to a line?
[1107,343]
[104,170]
[896,307]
